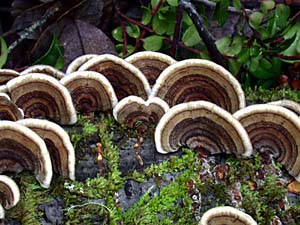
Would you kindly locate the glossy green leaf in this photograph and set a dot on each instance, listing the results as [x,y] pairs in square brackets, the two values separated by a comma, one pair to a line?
[243,56]
[230,46]
[54,56]
[120,47]
[3,53]
[153,43]
[223,43]
[267,69]
[234,66]
[146,18]
[282,14]
[267,5]
[162,12]
[173,3]
[220,13]
[117,34]
[154,3]
[133,31]
[160,26]
[191,37]
[237,4]
[255,19]
[186,19]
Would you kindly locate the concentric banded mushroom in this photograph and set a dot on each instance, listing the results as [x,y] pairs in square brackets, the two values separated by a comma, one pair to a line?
[125,78]
[79,61]
[133,110]
[6,75]
[90,91]
[275,130]
[58,143]
[9,192]
[21,148]
[3,88]
[44,69]
[8,109]
[198,79]
[42,96]
[150,63]
[202,126]
[226,215]
[291,105]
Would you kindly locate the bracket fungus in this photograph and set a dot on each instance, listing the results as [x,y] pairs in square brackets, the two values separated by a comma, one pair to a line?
[274,130]
[44,69]
[226,215]
[42,96]
[79,61]
[133,110]
[198,79]
[7,74]
[8,109]
[2,213]
[90,91]
[9,192]
[125,78]
[150,63]
[202,126]
[58,144]
[291,105]
[21,148]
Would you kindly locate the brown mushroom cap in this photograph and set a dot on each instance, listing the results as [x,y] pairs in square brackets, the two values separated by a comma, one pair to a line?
[79,61]
[199,79]
[6,75]
[275,130]
[44,69]
[150,63]
[42,96]
[58,143]
[21,148]
[9,110]
[291,105]
[226,215]
[3,88]
[125,78]
[9,192]
[133,110]
[202,126]
[90,91]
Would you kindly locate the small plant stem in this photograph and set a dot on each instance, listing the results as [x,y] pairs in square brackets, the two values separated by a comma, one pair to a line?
[176,35]
[158,5]
[182,45]
[138,42]
[293,57]
[123,28]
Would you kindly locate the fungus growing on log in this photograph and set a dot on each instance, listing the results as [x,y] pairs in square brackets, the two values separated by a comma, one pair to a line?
[2,213]
[44,69]
[134,112]
[150,63]
[226,215]
[3,88]
[9,110]
[6,75]
[21,148]
[79,61]
[9,192]
[58,144]
[42,96]
[291,105]
[198,79]
[125,78]
[90,91]
[202,126]
[274,130]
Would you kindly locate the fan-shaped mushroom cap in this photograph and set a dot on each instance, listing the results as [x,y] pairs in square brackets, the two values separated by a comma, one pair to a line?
[226,215]
[44,69]
[6,75]
[79,61]
[199,79]
[150,63]
[291,105]
[276,130]
[3,88]
[201,125]
[8,109]
[125,78]
[133,109]
[21,148]
[90,91]
[9,191]
[58,143]
[42,96]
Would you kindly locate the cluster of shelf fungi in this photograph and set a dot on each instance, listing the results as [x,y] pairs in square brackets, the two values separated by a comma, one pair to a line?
[195,103]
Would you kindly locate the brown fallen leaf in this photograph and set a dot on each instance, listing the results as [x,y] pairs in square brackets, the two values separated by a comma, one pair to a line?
[294,187]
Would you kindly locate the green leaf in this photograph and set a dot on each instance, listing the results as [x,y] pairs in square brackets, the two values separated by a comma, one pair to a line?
[282,14]
[237,4]
[230,46]
[220,12]
[146,19]
[133,31]
[54,56]
[173,3]
[153,43]
[255,19]
[117,34]
[3,53]
[120,47]
[223,43]
[186,19]
[160,26]
[191,37]
[243,56]
[268,5]
[234,66]
[154,3]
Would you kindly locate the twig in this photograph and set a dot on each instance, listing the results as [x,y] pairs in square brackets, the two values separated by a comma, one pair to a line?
[138,42]
[204,33]
[182,45]
[123,29]
[158,5]
[176,35]
[293,57]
